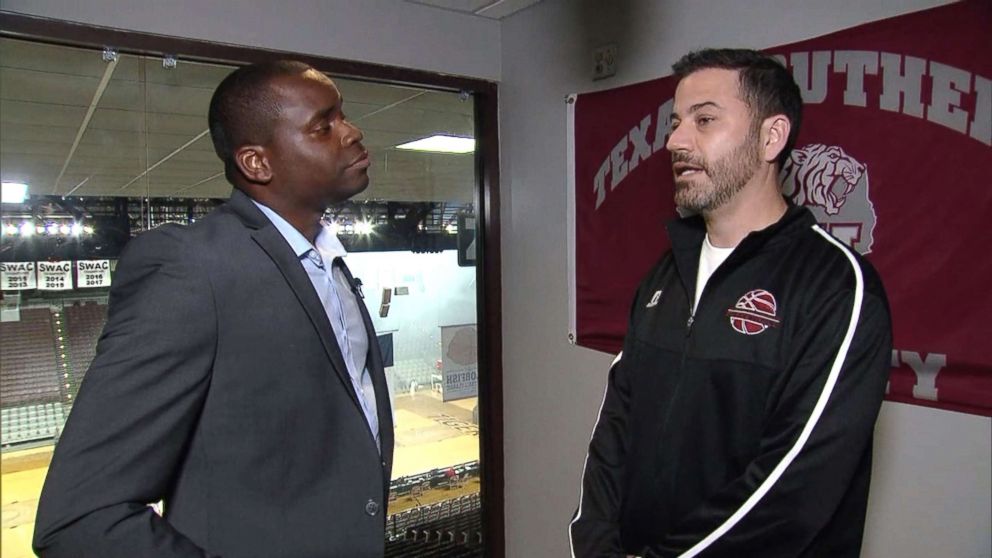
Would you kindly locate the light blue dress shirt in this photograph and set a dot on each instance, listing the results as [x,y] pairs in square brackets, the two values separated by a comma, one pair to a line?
[340,304]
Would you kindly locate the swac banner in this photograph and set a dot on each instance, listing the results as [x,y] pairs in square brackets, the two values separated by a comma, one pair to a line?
[55,276]
[894,158]
[91,274]
[18,276]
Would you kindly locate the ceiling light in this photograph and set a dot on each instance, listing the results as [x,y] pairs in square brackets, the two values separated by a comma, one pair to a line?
[441,144]
[76,229]
[64,230]
[52,229]
[451,228]
[363,227]
[10,229]
[87,229]
[27,229]
[13,192]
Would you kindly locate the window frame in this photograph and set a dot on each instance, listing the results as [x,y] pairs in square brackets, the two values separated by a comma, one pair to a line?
[487,198]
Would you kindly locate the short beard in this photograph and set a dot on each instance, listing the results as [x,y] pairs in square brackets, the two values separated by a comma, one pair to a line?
[728,175]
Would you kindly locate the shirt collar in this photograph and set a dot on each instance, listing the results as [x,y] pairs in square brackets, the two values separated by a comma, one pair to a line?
[327,243]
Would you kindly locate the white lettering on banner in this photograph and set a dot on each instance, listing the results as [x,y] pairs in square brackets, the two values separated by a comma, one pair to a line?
[664,127]
[812,85]
[637,136]
[945,103]
[981,126]
[925,368]
[856,63]
[902,85]
[902,81]
[641,148]
[619,162]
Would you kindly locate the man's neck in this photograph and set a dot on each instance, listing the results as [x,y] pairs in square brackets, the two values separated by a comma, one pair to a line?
[758,205]
[305,220]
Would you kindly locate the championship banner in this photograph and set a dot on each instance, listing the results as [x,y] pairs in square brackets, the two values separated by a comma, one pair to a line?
[55,276]
[459,362]
[17,276]
[894,157]
[91,274]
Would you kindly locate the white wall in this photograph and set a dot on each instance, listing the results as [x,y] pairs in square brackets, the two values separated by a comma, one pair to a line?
[931,494]
[382,31]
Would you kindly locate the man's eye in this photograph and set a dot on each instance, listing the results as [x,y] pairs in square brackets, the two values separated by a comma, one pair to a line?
[675,124]
[704,120]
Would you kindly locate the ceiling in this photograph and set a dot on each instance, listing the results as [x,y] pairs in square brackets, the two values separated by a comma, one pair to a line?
[492,9]
[74,124]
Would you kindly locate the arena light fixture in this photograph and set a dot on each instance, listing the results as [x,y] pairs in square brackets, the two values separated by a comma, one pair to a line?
[440,143]
[64,230]
[52,229]
[87,229]
[27,229]
[10,229]
[363,227]
[13,192]
[76,229]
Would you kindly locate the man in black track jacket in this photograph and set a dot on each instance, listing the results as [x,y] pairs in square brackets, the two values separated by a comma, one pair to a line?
[738,419]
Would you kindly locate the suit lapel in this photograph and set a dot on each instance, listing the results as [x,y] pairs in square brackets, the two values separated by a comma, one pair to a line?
[272,242]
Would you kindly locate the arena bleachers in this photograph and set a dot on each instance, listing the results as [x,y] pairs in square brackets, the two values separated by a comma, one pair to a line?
[30,387]
[29,423]
[84,323]
[28,357]
[447,529]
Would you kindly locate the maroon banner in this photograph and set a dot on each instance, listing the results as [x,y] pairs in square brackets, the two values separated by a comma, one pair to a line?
[894,157]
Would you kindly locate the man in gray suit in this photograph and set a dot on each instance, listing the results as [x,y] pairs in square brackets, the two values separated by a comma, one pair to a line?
[238,378]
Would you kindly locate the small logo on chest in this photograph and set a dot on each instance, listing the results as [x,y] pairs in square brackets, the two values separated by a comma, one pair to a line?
[654,300]
[754,312]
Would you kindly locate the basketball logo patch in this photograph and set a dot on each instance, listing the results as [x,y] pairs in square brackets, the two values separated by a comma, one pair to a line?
[754,312]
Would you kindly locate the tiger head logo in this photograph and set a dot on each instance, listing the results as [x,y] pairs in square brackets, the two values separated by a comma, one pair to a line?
[834,186]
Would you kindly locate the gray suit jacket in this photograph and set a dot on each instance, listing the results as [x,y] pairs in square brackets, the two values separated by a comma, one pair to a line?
[218,386]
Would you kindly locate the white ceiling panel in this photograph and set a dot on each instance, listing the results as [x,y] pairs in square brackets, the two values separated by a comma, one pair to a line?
[148,115]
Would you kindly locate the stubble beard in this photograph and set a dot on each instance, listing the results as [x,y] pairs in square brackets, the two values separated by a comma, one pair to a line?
[727,176]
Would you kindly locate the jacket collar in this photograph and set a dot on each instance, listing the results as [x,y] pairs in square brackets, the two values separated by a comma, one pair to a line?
[687,236]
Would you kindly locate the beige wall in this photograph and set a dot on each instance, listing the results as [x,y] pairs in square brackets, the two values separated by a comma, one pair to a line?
[932,490]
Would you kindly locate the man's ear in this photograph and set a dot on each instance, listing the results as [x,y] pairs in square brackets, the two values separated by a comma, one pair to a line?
[774,135]
[253,163]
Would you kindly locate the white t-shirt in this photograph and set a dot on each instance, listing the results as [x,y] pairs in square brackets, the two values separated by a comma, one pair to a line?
[710,258]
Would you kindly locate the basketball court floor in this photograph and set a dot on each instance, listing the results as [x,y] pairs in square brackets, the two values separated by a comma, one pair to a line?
[430,434]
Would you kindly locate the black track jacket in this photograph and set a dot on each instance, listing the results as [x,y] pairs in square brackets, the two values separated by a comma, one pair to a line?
[745,429]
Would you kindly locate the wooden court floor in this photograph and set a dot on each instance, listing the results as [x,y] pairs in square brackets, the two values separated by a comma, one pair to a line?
[429,434]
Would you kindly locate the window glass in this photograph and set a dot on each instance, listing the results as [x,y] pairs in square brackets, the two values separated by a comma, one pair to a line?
[110,145]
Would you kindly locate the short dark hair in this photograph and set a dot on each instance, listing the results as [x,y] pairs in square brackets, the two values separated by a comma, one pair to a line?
[244,107]
[765,85]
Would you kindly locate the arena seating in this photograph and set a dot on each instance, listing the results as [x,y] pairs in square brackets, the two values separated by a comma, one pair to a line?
[29,423]
[27,353]
[30,386]
[447,529]
[84,323]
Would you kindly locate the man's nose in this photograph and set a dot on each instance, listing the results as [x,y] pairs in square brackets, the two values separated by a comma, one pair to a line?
[678,139]
[353,134]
